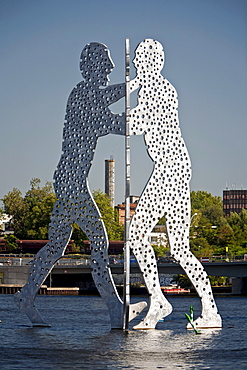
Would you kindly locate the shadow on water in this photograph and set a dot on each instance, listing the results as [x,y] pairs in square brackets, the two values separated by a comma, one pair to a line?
[80,338]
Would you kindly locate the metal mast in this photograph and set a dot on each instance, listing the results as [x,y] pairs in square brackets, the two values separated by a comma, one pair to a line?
[126,297]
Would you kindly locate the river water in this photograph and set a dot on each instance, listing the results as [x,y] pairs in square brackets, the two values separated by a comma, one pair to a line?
[80,337]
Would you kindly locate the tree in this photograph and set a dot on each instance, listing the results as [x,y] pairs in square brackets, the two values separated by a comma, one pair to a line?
[39,202]
[182,280]
[114,230]
[78,236]
[201,247]
[159,250]
[31,214]
[11,242]
[210,234]
[209,206]
[238,223]
[15,206]
[224,239]
[202,200]
[210,231]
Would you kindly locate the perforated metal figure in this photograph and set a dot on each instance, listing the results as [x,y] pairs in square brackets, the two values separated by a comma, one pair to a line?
[87,117]
[167,191]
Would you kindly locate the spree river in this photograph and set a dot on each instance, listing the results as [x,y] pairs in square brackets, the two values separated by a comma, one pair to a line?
[80,337]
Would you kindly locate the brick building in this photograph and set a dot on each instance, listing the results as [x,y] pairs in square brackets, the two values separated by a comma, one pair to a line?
[121,211]
[121,208]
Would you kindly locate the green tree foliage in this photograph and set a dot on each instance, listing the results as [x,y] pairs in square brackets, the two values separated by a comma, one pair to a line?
[11,242]
[14,205]
[31,213]
[210,207]
[159,250]
[201,247]
[182,280]
[39,202]
[237,245]
[211,232]
[207,217]
[114,230]
[13,201]
[224,238]
[218,280]
[78,236]
[202,200]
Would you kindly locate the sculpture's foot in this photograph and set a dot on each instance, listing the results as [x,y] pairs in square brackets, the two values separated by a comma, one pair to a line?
[116,315]
[136,308]
[156,312]
[27,307]
[210,322]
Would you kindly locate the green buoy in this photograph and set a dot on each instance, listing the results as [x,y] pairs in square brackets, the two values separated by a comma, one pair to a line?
[190,318]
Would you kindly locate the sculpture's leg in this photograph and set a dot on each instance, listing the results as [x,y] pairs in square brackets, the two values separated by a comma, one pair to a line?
[59,235]
[101,273]
[178,233]
[210,317]
[146,217]
[159,306]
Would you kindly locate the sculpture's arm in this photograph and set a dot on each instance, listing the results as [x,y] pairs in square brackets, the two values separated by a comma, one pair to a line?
[113,93]
[136,122]
[117,124]
[134,84]
[120,119]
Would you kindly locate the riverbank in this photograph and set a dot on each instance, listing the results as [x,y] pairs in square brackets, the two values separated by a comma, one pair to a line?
[44,290]
[134,291]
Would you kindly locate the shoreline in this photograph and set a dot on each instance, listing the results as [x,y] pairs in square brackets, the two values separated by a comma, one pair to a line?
[134,291]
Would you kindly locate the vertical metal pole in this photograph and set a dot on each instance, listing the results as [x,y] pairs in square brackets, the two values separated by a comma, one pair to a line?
[126,297]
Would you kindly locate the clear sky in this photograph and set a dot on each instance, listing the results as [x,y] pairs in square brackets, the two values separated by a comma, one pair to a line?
[205,44]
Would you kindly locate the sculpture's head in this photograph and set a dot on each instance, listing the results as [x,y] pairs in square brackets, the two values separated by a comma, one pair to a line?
[96,63]
[149,57]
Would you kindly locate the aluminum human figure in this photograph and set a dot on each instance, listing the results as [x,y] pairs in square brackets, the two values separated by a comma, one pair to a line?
[87,117]
[167,191]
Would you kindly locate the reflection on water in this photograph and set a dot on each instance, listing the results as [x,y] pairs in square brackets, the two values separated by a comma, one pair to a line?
[159,349]
[80,338]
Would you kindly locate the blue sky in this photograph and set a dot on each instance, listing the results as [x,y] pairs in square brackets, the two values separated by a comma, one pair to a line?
[205,43]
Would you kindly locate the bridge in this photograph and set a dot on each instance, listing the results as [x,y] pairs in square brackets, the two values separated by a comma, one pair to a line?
[77,273]
[228,269]
[235,270]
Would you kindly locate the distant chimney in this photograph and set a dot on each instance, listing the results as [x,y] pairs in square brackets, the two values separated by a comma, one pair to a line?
[110,179]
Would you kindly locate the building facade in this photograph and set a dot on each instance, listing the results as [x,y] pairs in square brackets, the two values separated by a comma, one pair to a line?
[234,201]
[121,211]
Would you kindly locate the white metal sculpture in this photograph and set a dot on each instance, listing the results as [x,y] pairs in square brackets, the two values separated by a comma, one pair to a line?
[87,118]
[167,191]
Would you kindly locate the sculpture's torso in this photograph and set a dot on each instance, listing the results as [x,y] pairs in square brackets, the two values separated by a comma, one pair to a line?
[87,118]
[157,117]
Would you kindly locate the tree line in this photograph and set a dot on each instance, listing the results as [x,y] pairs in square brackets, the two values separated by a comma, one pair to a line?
[211,233]
[31,214]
